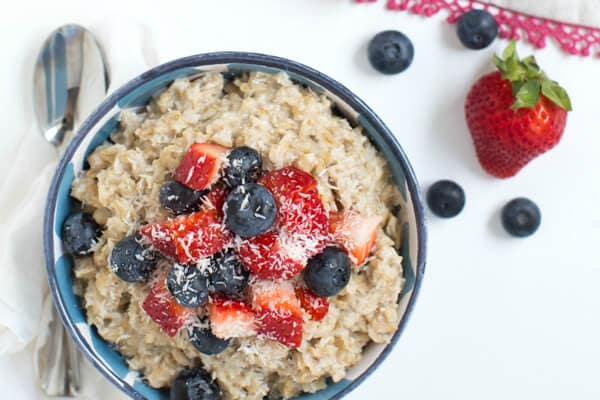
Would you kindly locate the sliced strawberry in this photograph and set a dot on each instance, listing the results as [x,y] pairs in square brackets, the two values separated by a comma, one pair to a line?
[288,180]
[355,233]
[159,235]
[316,306]
[201,165]
[216,198]
[231,318]
[305,219]
[198,235]
[278,312]
[161,306]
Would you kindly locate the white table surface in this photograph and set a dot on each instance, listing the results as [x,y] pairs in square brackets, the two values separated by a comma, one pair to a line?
[497,317]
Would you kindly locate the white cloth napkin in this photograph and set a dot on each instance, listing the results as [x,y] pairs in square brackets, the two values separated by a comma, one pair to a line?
[578,12]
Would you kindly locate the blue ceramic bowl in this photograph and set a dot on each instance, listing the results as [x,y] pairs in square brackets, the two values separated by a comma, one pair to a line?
[138,92]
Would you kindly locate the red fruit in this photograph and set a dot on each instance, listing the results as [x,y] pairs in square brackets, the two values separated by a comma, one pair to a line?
[515,114]
[288,180]
[278,312]
[161,306]
[316,306]
[201,165]
[159,235]
[198,235]
[231,318]
[216,198]
[355,233]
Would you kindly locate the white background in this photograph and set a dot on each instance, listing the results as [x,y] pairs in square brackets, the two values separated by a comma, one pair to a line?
[497,317]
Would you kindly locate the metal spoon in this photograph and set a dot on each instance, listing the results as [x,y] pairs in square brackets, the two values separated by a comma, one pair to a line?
[70,73]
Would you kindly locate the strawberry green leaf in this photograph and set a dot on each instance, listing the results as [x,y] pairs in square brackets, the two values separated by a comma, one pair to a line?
[528,95]
[510,52]
[556,94]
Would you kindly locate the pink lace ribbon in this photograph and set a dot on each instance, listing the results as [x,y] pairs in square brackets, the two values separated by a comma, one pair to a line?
[573,39]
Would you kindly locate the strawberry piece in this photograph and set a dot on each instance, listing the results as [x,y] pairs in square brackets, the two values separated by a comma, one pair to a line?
[278,312]
[201,165]
[355,233]
[316,306]
[288,180]
[198,235]
[305,219]
[162,307]
[159,235]
[216,198]
[231,318]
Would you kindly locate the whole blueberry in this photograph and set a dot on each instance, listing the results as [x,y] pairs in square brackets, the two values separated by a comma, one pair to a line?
[80,234]
[249,210]
[521,217]
[243,166]
[328,273]
[179,199]
[477,29]
[131,260]
[390,52]
[195,384]
[206,342]
[446,198]
[229,276]
[188,285]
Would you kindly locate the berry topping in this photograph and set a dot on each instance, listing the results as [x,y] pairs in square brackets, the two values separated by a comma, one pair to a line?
[390,52]
[316,306]
[515,114]
[477,29]
[216,198]
[231,318]
[206,342]
[161,306]
[355,233]
[249,210]
[159,236]
[195,384]
[188,285]
[521,217]
[201,165]
[278,312]
[179,199]
[446,199]
[328,273]
[132,261]
[288,180]
[198,235]
[243,166]
[229,277]
[80,234]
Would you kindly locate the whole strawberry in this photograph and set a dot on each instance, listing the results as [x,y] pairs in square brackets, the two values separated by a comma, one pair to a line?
[515,114]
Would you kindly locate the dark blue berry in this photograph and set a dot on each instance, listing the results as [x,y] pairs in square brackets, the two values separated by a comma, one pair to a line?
[249,210]
[390,52]
[206,342]
[521,217]
[131,260]
[243,166]
[195,384]
[477,29]
[446,199]
[328,273]
[229,276]
[80,234]
[179,199]
[188,285]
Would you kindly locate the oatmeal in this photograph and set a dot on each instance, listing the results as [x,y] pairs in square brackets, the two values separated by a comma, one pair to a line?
[290,127]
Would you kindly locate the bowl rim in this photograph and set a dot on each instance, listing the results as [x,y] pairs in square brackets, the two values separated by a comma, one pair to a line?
[261,60]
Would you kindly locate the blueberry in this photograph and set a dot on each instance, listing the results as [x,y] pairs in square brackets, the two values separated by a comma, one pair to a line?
[195,384]
[80,234]
[446,199]
[179,199]
[188,285]
[131,260]
[229,276]
[243,166]
[328,273]
[249,210]
[390,52]
[521,217]
[206,342]
[477,29]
